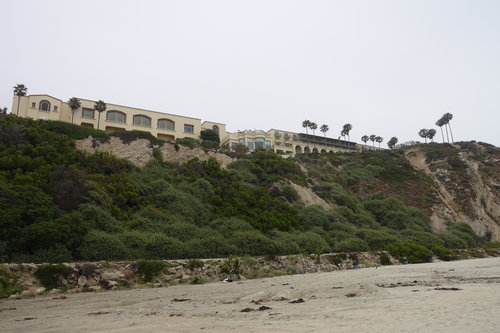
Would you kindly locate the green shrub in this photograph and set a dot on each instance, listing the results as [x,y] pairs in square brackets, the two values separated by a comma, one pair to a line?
[352,245]
[414,252]
[313,216]
[129,136]
[160,246]
[149,269]
[50,275]
[311,242]
[441,252]
[188,142]
[98,245]
[384,259]
[492,245]
[8,285]
[230,266]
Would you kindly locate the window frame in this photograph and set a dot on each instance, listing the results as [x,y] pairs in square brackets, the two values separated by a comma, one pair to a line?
[42,103]
[88,110]
[118,113]
[166,120]
[142,117]
[189,126]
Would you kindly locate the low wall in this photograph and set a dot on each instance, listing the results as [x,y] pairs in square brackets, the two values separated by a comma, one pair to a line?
[97,276]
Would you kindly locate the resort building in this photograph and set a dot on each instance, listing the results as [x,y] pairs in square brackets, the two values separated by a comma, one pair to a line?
[168,126]
[164,126]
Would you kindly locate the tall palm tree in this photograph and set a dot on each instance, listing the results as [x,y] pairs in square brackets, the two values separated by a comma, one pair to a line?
[306,124]
[19,90]
[440,123]
[3,110]
[347,128]
[100,107]
[313,126]
[392,142]
[423,134]
[365,139]
[324,128]
[431,133]
[372,139]
[445,122]
[379,139]
[74,103]
[448,117]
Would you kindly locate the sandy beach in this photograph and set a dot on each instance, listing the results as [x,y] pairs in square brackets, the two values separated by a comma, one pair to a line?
[460,296]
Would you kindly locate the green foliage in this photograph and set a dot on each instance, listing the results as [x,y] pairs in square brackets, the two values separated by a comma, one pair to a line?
[384,259]
[128,136]
[441,252]
[414,252]
[98,245]
[313,216]
[188,142]
[75,132]
[50,275]
[230,266]
[150,269]
[352,245]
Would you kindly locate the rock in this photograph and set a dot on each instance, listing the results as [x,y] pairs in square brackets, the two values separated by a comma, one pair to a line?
[92,282]
[54,291]
[40,290]
[26,292]
[109,275]
[172,270]
[88,269]
[179,272]
[186,277]
[109,284]
[82,281]
[94,288]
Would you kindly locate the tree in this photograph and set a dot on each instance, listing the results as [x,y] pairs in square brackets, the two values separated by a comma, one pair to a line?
[379,139]
[423,133]
[443,121]
[313,126]
[440,123]
[346,129]
[324,128]
[372,139]
[392,142]
[74,103]
[210,139]
[19,90]
[3,110]
[431,133]
[100,107]
[447,118]
[365,139]
[306,124]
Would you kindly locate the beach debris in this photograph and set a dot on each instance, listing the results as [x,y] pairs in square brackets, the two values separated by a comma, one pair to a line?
[351,295]
[262,308]
[8,309]
[60,297]
[98,313]
[300,300]
[181,299]
[444,288]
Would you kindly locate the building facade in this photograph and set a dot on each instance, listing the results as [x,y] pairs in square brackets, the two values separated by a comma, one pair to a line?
[168,126]
[164,126]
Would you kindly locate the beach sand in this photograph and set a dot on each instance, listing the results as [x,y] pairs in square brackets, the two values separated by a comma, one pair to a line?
[459,296]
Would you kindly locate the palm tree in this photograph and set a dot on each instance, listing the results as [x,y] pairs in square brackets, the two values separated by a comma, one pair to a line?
[392,142]
[347,128]
[423,134]
[313,126]
[431,133]
[365,139]
[3,110]
[444,121]
[74,103]
[100,107]
[448,117]
[324,128]
[372,139]
[19,90]
[306,124]
[440,123]
[379,139]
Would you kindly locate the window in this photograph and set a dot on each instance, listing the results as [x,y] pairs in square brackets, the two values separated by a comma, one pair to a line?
[142,120]
[188,128]
[166,124]
[44,106]
[87,113]
[250,144]
[33,105]
[259,143]
[116,116]
[241,141]
[216,129]
[55,108]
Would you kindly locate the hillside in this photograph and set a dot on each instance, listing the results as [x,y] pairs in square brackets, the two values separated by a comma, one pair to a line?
[65,197]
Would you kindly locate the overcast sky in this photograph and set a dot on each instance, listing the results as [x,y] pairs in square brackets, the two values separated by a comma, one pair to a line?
[389,68]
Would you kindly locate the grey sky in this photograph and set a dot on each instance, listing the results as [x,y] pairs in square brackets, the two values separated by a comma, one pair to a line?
[387,67]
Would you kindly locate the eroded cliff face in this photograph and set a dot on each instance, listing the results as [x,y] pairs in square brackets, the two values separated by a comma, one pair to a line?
[468,185]
[140,151]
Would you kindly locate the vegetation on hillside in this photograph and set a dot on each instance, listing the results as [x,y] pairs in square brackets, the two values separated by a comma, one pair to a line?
[60,204]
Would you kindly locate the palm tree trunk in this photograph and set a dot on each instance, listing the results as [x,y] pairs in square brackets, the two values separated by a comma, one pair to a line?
[442,135]
[451,133]
[72,115]
[447,137]
[98,120]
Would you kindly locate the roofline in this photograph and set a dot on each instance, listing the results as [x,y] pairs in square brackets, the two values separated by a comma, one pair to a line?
[132,107]
[42,95]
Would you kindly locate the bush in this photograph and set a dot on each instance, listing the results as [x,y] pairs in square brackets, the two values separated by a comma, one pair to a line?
[414,252]
[50,276]
[188,142]
[98,245]
[160,246]
[311,242]
[441,252]
[149,269]
[384,259]
[313,216]
[352,245]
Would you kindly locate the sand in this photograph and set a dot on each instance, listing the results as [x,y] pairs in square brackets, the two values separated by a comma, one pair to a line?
[460,296]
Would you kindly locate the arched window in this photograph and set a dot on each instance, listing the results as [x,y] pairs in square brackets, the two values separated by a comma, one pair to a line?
[44,106]
[141,120]
[216,129]
[116,116]
[166,124]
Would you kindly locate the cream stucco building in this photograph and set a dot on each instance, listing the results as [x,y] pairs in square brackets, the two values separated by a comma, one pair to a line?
[116,117]
[169,126]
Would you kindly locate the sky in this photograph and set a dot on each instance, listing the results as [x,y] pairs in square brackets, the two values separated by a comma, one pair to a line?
[389,68]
